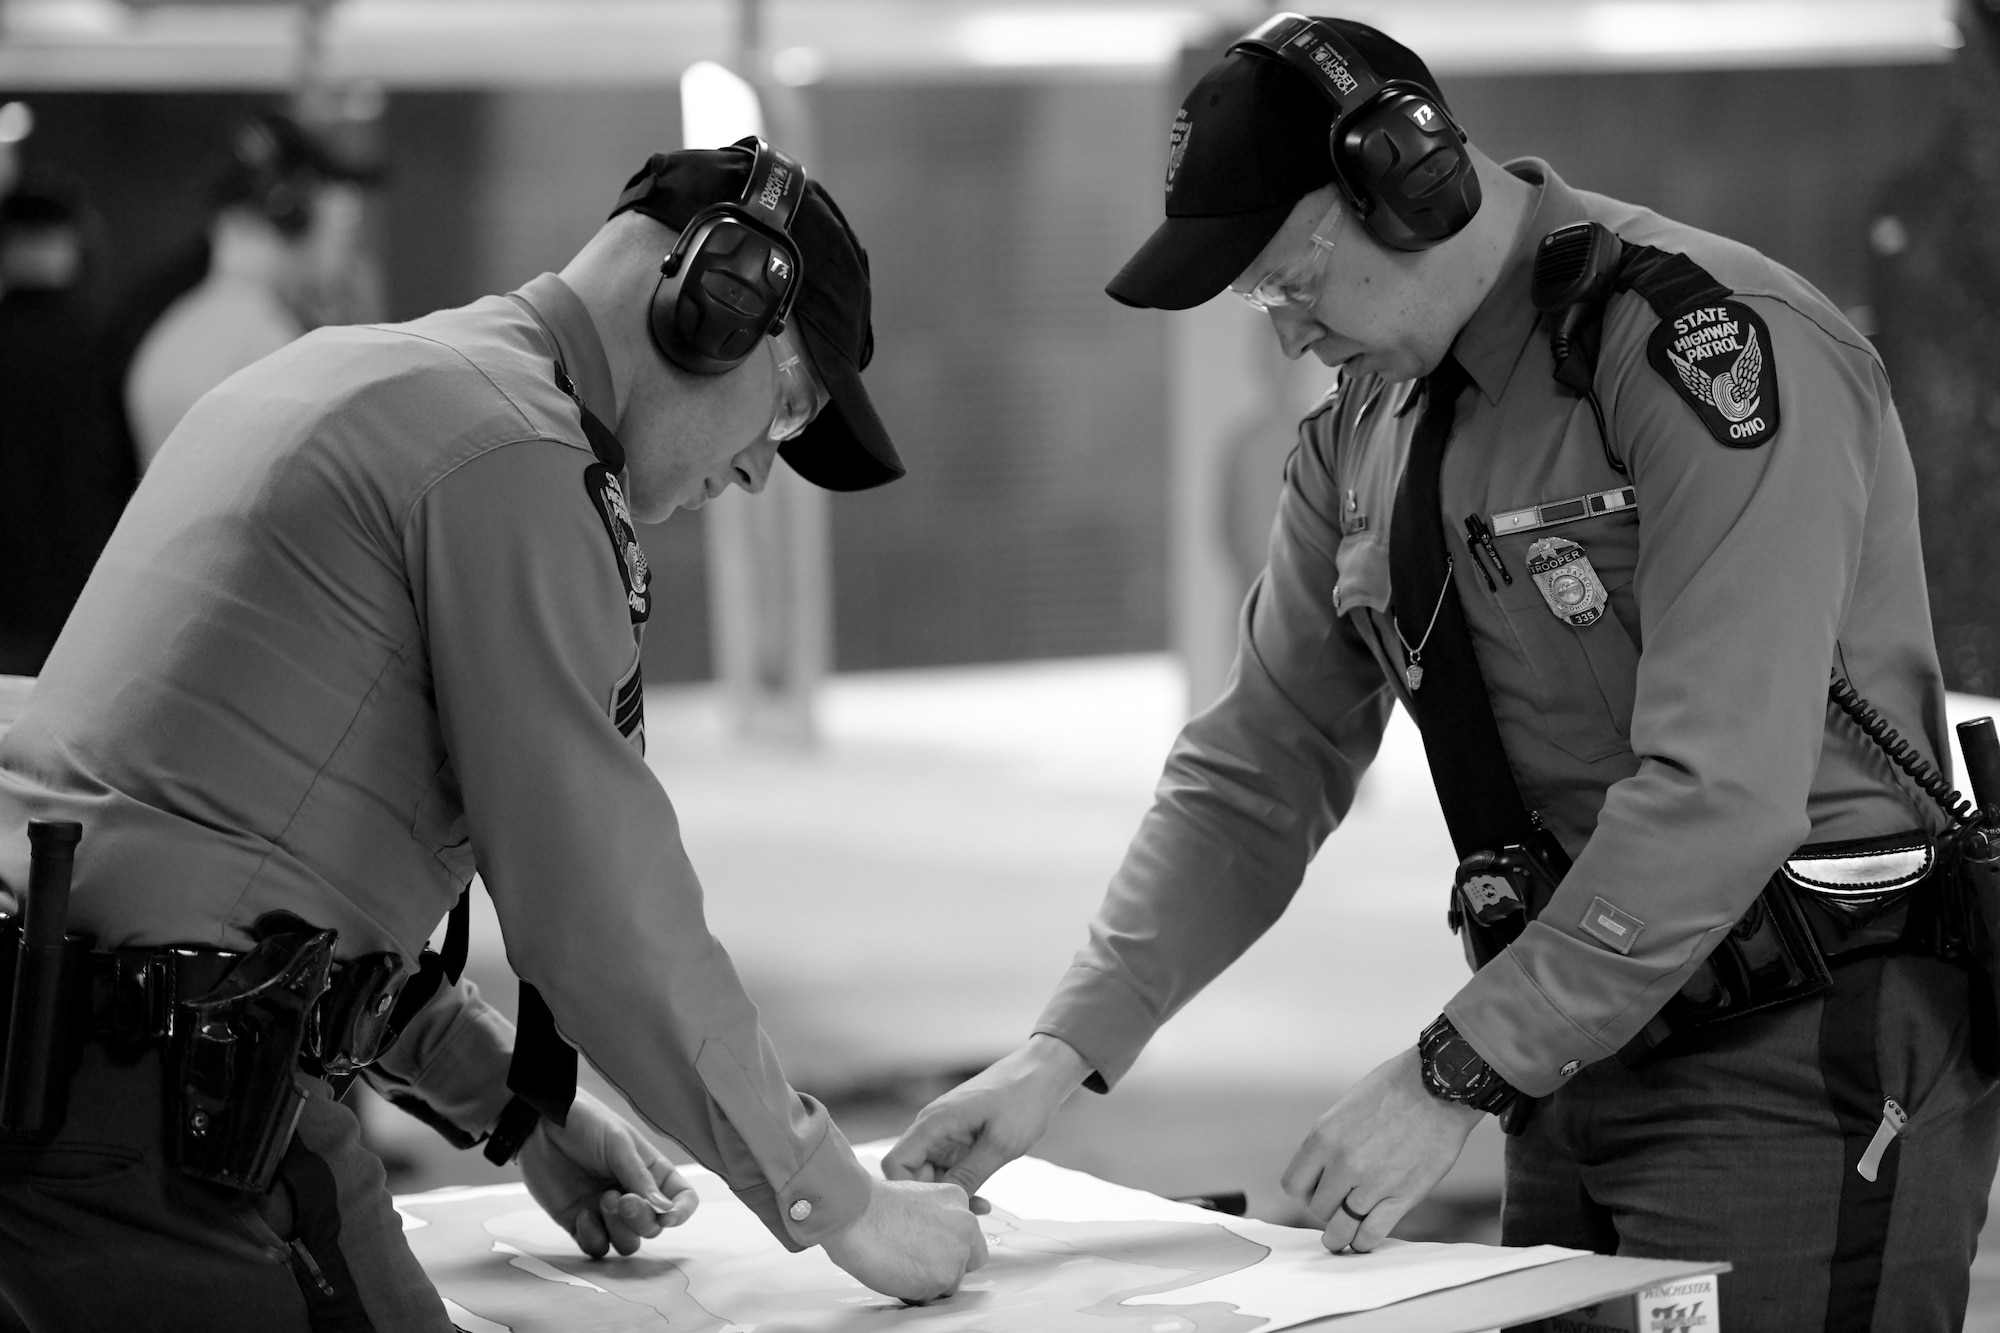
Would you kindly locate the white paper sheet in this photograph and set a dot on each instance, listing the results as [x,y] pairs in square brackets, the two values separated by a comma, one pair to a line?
[1068,1251]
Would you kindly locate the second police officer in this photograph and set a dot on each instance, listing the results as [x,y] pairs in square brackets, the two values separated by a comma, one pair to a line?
[1610,572]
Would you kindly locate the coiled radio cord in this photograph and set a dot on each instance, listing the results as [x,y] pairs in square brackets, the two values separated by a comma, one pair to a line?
[1960,811]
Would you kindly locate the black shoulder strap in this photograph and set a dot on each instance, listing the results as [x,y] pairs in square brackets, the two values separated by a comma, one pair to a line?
[1669,282]
[1578,269]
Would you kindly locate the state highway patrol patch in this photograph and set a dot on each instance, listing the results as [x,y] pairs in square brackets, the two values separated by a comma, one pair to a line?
[1718,357]
[1568,583]
[633,571]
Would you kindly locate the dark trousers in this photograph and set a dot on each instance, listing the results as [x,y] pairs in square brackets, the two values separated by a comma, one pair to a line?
[98,1231]
[1743,1144]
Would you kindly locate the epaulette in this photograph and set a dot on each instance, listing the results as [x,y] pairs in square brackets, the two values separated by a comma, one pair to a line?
[1712,349]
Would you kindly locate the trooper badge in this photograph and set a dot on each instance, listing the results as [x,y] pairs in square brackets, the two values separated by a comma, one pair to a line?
[1569,585]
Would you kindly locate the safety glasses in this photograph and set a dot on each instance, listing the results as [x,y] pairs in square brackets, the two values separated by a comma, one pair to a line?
[800,394]
[1296,285]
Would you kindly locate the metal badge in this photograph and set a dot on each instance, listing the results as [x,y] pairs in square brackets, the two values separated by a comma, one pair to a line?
[1569,585]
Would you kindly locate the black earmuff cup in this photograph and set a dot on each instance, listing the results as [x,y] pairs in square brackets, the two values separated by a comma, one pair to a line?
[1421,188]
[729,284]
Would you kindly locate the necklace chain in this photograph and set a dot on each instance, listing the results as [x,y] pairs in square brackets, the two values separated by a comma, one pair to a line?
[1413,673]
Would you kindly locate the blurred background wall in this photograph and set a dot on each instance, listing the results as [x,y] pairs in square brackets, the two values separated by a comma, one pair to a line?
[1034,412]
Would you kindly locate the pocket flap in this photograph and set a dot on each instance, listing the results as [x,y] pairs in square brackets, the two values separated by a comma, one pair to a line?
[1851,874]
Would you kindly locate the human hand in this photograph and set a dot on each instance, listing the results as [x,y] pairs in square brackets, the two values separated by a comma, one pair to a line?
[990,1119]
[1380,1149]
[603,1180]
[915,1241]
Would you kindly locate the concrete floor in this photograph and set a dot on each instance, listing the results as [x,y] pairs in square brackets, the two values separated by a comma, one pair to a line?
[901,898]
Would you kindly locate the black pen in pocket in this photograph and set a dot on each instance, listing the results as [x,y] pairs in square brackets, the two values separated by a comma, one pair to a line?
[1472,547]
[1477,531]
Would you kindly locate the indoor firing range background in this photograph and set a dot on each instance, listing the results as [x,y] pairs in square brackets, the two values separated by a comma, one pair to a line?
[1010,659]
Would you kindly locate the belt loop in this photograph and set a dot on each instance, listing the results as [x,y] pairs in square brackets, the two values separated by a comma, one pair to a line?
[159,987]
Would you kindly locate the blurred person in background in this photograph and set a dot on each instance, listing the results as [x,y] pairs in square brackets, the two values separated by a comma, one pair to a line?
[62,473]
[1710,1000]
[372,625]
[282,255]
[1934,285]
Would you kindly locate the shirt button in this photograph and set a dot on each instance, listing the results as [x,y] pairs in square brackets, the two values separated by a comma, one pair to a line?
[801,1210]
[1571,1067]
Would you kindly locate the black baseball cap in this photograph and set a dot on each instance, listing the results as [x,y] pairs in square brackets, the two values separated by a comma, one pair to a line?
[846,448]
[1250,142]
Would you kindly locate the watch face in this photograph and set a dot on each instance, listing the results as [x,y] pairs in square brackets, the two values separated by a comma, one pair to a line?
[1459,1066]
[1455,1072]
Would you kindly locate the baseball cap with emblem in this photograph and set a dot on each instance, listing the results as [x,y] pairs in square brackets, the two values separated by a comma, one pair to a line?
[1248,144]
[846,448]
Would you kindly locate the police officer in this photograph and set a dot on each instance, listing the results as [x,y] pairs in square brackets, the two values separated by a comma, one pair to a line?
[1641,618]
[281,246]
[371,625]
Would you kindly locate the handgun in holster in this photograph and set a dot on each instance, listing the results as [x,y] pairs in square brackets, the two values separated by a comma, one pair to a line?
[1496,894]
[234,1093]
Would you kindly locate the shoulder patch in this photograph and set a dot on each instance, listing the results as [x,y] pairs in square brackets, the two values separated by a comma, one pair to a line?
[1717,356]
[633,571]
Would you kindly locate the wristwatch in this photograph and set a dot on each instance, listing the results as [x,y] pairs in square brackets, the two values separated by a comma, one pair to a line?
[1454,1072]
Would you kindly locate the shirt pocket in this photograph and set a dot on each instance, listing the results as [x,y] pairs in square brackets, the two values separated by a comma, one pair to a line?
[1584,676]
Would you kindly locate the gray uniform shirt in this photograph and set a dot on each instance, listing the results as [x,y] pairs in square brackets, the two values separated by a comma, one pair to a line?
[362,631]
[1679,747]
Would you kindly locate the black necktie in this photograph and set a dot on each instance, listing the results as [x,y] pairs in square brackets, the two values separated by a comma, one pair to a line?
[1475,786]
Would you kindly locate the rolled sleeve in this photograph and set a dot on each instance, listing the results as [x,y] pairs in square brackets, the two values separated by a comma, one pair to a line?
[1747,564]
[527,624]
[1251,789]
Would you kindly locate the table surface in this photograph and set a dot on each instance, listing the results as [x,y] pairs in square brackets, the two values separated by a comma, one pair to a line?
[1517,1297]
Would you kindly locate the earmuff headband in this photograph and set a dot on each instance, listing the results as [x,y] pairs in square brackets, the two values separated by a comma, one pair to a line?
[1398,157]
[715,300]
[1321,54]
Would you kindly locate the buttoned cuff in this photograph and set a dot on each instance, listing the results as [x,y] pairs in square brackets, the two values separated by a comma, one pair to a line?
[1103,1018]
[1518,1030]
[825,1196]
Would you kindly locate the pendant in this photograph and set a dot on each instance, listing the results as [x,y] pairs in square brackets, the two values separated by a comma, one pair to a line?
[1414,674]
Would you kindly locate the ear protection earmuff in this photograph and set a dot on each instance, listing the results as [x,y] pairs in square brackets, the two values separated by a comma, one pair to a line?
[272,178]
[735,271]
[1398,157]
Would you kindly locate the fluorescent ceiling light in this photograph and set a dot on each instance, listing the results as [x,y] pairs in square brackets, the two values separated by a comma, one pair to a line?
[717,107]
[1015,37]
[1656,27]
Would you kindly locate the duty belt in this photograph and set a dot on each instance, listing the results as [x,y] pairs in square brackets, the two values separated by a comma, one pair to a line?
[133,996]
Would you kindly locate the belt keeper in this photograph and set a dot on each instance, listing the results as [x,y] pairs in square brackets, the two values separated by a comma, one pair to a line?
[157,984]
[517,1120]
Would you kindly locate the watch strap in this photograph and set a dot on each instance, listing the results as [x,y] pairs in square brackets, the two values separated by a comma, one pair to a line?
[1454,1072]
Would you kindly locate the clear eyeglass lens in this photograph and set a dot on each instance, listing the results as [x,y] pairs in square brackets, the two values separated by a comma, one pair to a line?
[799,393]
[1296,286]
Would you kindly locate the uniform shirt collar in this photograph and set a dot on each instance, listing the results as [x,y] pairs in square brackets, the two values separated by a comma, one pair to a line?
[1491,341]
[567,320]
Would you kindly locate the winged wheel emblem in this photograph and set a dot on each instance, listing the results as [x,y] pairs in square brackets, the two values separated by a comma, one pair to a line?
[1734,391]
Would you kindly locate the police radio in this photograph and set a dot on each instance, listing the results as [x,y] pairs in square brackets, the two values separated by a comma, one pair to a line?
[731,278]
[1398,157]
